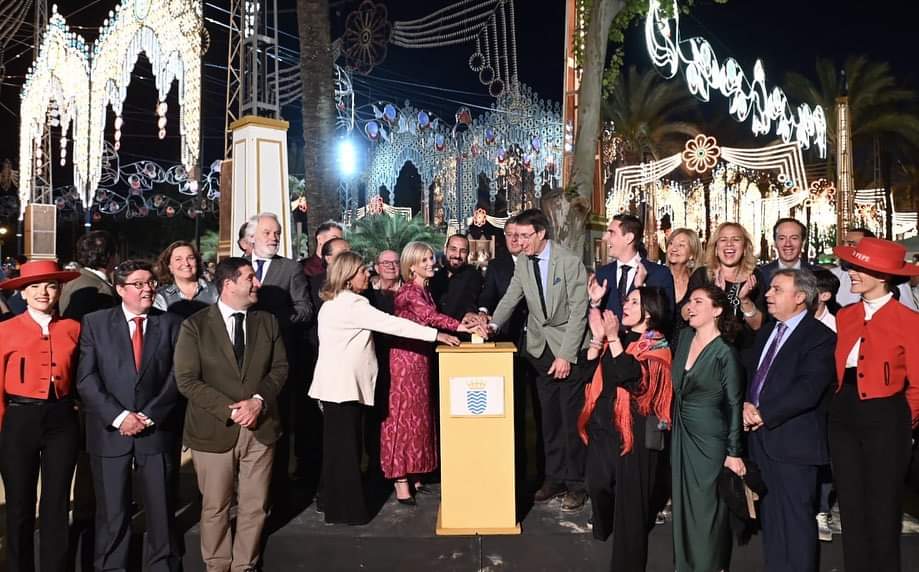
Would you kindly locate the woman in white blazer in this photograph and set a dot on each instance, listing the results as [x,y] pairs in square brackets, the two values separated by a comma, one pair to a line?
[344,379]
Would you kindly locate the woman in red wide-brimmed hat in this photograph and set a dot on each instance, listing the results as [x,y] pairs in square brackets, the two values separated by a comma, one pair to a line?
[39,433]
[875,406]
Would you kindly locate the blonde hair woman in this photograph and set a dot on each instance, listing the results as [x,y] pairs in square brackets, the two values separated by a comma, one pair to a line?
[730,264]
[344,380]
[683,253]
[407,434]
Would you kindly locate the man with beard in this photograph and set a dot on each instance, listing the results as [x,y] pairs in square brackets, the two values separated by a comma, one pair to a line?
[457,285]
[284,292]
[790,236]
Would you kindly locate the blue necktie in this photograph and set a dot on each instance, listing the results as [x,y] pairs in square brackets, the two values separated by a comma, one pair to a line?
[756,387]
[260,264]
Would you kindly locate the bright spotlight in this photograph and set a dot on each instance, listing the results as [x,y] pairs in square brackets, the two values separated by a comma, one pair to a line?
[347,158]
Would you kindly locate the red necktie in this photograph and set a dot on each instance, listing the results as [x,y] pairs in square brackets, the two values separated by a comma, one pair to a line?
[137,340]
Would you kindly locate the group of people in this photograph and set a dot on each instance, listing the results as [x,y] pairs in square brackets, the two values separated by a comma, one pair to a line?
[651,382]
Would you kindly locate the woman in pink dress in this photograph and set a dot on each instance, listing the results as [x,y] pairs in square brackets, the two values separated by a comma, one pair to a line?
[407,435]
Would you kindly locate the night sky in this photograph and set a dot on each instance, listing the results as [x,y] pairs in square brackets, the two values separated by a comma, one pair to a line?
[787,34]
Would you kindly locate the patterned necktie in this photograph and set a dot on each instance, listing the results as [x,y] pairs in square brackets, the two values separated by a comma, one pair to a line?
[538,274]
[757,386]
[137,340]
[624,283]
[259,265]
[239,338]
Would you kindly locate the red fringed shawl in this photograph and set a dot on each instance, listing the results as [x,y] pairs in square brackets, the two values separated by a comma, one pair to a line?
[653,395]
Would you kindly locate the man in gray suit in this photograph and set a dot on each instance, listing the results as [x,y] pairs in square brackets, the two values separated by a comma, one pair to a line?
[553,281]
[284,293]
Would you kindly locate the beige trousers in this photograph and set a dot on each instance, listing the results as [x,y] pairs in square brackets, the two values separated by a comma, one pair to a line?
[217,474]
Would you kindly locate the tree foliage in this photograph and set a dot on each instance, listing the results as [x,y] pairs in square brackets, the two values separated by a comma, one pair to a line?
[375,233]
[646,110]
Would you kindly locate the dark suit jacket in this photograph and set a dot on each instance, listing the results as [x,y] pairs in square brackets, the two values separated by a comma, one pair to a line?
[458,294]
[285,293]
[767,270]
[207,374]
[108,382]
[793,399]
[658,277]
[497,279]
[87,293]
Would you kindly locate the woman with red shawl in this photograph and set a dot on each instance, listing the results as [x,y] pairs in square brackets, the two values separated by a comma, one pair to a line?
[626,409]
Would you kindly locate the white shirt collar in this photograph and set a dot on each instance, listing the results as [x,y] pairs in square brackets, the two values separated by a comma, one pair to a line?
[795,266]
[227,311]
[631,263]
[42,319]
[128,315]
[546,251]
[872,306]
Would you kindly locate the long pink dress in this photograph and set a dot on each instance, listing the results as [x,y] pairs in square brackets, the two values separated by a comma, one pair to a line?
[407,435]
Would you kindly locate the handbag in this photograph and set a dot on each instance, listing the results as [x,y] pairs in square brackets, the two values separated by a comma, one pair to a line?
[654,433]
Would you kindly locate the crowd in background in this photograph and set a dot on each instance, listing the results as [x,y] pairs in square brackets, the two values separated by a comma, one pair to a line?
[688,387]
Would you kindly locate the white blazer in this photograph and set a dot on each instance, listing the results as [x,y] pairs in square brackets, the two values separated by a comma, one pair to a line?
[346,369]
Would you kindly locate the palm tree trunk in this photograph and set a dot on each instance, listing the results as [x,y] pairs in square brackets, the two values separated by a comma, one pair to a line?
[316,73]
[568,210]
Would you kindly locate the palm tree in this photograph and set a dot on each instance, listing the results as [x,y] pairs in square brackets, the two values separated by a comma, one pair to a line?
[375,233]
[318,107]
[647,113]
[877,106]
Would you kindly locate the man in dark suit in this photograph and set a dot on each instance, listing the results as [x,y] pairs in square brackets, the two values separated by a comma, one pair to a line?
[790,237]
[284,293]
[231,365]
[456,286]
[125,379]
[553,281]
[629,268]
[790,368]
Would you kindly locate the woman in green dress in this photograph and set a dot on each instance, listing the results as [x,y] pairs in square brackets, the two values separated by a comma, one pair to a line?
[707,428]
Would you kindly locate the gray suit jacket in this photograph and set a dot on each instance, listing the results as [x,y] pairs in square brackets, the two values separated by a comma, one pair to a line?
[86,294]
[285,293]
[566,302]
[206,373]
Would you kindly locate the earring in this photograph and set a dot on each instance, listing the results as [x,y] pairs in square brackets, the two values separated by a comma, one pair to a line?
[348,284]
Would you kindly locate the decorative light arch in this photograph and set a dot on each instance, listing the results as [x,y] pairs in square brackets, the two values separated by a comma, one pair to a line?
[749,99]
[58,77]
[168,32]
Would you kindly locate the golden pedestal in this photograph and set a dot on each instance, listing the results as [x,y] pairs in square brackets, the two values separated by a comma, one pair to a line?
[477,440]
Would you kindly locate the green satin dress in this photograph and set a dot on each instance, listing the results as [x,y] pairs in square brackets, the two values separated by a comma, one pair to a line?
[707,426]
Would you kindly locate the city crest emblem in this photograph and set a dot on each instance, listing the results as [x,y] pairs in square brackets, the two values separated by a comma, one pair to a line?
[476,397]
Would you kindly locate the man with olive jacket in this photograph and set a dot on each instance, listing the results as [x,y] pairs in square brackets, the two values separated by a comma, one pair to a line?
[230,363]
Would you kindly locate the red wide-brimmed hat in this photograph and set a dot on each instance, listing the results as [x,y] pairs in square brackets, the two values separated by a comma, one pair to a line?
[878,255]
[38,271]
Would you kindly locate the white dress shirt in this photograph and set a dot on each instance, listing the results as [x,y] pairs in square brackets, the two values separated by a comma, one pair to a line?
[265,266]
[871,308]
[132,326]
[790,325]
[633,268]
[828,319]
[229,321]
[544,268]
[795,266]
[42,319]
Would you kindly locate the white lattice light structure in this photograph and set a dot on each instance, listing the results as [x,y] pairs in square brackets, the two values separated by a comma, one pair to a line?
[168,32]
[58,76]
[748,99]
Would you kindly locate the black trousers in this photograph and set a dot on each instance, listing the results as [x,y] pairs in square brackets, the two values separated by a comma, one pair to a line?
[112,478]
[342,484]
[46,439]
[621,489]
[870,451]
[560,402]
[788,511]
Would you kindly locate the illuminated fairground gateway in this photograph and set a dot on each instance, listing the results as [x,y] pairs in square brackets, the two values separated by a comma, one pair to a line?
[72,86]
[754,187]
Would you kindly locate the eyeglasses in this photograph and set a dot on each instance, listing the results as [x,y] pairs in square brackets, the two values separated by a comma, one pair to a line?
[140,285]
[526,235]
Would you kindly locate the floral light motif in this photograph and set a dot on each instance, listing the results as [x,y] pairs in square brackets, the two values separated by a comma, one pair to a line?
[701,153]
[367,31]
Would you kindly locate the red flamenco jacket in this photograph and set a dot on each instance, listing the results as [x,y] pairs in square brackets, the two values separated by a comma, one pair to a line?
[653,395]
[888,355]
[30,361]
